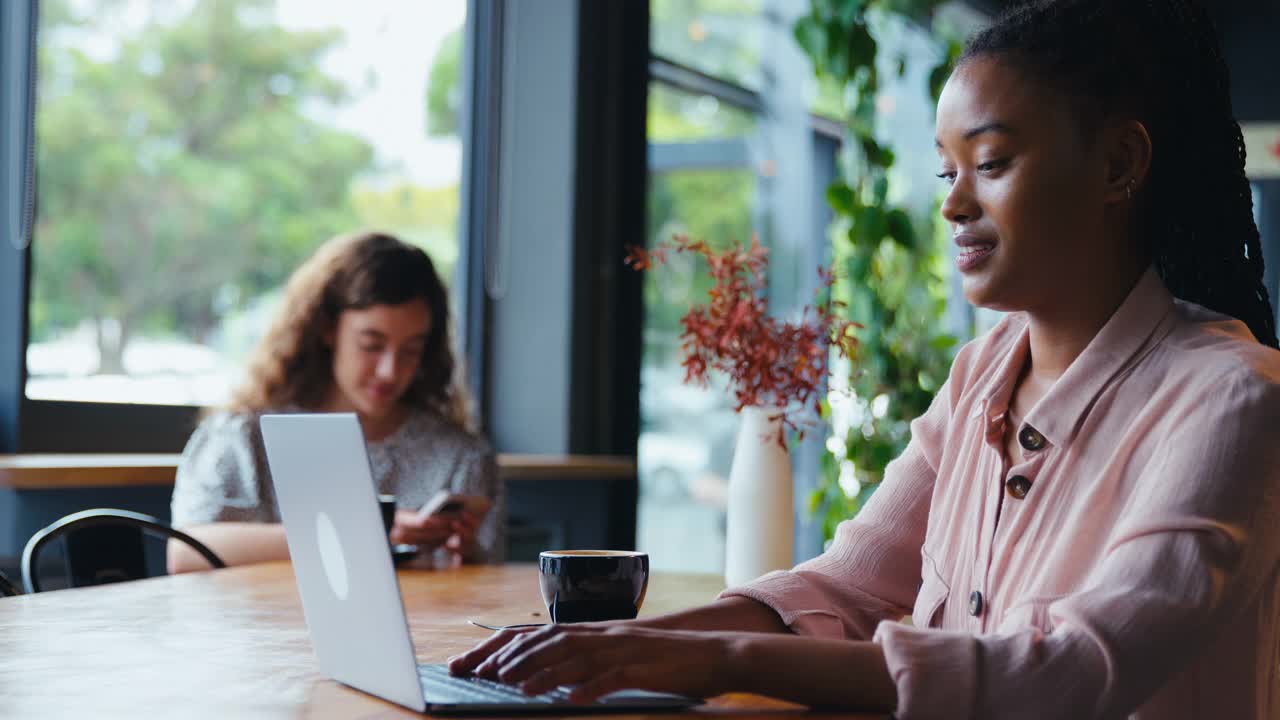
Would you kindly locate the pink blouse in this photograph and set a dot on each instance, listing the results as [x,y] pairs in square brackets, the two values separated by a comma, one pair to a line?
[1125,565]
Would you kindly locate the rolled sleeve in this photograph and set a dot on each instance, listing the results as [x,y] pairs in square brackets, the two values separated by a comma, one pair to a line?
[935,671]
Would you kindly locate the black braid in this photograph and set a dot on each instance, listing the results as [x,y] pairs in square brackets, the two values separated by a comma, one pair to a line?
[1160,60]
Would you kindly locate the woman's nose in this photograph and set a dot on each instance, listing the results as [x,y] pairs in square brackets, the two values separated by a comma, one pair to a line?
[386,367]
[959,207]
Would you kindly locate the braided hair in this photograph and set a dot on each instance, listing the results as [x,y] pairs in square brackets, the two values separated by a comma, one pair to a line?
[1158,61]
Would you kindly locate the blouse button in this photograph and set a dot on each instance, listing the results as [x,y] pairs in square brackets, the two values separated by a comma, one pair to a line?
[1018,486]
[975,603]
[1030,438]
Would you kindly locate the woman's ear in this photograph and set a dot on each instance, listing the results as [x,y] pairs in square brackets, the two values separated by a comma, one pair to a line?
[1128,158]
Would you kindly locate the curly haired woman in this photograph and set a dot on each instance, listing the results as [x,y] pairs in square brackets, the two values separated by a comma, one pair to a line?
[363,328]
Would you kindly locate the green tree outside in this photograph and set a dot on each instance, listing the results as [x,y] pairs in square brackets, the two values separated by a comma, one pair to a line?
[444,87]
[180,174]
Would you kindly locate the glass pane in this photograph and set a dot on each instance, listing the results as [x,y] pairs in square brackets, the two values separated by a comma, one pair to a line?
[192,153]
[676,116]
[718,37]
[701,184]
[686,432]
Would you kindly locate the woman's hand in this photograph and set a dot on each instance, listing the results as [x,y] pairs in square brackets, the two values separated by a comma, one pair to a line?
[462,539]
[599,658]
[455,533]
[428,533]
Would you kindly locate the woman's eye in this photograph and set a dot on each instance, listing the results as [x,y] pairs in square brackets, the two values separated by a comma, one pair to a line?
[371,349]
[991,166]
[949,176]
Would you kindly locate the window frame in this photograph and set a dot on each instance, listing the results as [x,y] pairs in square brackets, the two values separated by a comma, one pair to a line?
[18,21]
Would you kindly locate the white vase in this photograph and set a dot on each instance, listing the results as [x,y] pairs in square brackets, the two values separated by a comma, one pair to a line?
[758,537]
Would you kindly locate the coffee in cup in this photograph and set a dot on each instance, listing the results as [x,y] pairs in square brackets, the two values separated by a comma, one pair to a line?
[593,585]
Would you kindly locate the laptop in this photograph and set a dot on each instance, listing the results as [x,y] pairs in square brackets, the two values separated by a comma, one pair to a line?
[350,595]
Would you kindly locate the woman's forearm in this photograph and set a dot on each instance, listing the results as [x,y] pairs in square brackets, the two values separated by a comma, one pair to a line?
[237,543]
[811,671]
[734,614]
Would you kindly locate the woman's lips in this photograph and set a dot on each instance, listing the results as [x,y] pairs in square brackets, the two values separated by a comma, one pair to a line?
[974,252]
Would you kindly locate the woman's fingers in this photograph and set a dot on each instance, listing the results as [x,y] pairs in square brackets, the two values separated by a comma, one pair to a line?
[597,660]
[551,653]
[468,520]
[465,526]
[555,632]
[572,671]
[432,524]
[412,528]
[489,668]
[467,662]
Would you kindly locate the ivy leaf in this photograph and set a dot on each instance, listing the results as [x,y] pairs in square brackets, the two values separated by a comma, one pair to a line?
[861,51]
[899,228]
[880,190]
[943,342]
[876,154]
[842,199]
[811,37]
[869,227]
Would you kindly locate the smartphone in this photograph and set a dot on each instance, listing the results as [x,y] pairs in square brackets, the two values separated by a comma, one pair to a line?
[445,504]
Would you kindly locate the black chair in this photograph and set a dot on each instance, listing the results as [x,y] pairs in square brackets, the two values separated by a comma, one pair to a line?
[7,588]
[103,546]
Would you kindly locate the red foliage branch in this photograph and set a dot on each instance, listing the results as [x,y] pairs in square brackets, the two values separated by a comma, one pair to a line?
[773,364]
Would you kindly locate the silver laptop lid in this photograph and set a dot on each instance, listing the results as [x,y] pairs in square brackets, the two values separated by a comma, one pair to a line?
[350,595]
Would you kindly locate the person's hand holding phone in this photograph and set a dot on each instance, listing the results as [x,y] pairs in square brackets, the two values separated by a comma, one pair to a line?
[462,541]
[428,532]
[459,516]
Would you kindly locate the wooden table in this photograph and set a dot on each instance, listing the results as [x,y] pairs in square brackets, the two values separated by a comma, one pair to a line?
[51,472]
[232,643]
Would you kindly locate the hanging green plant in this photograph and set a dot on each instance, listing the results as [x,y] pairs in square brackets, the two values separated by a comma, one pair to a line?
[891,268]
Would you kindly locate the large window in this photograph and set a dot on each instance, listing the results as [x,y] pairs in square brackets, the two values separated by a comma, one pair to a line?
[724,163]
[191,153]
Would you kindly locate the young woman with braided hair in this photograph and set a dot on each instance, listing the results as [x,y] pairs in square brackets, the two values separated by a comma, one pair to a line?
[1086,523]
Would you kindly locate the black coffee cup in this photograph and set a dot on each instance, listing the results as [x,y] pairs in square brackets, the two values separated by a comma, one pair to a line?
[387,504]
[593,585]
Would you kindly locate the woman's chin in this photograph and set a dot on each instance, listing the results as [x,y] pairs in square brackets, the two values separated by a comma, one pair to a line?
[977,290]
[376,409]
[984,294]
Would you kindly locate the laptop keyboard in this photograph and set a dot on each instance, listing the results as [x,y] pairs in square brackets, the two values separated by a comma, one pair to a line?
[440,687]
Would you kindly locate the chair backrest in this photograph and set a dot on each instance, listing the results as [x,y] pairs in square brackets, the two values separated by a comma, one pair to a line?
[103,546]
[7,589]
